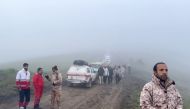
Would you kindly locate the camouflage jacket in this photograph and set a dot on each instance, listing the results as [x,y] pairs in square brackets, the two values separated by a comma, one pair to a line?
[154,95]
[56,80]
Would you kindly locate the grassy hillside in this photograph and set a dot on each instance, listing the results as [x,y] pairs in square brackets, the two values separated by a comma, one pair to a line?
[7,83]
[63,61]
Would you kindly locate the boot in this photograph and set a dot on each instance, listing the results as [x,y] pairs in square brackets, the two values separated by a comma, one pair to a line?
[21,107]
[39,107]
[36,106]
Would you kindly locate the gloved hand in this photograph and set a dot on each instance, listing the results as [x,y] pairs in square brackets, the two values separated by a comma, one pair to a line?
[47,77]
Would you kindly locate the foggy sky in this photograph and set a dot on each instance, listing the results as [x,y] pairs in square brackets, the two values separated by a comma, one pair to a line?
[35,28]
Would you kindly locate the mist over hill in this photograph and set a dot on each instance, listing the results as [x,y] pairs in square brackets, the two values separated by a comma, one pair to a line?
[145,61]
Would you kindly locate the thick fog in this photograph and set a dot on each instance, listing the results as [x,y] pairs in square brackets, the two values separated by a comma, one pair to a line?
[154,30]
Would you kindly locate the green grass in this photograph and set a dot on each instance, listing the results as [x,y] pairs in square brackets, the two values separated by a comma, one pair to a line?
[135,99]
[186,101]
[7,83]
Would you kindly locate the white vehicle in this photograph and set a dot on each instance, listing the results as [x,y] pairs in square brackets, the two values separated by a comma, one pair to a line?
[81,74]
[96,66]
[107,59]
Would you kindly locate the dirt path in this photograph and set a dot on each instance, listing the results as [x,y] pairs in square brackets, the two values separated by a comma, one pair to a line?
[97,97]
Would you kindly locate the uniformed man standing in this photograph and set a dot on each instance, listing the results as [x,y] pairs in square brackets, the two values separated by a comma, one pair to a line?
[56,80]
[161,92]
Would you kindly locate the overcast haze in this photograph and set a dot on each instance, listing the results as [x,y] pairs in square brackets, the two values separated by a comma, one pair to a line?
[37,28]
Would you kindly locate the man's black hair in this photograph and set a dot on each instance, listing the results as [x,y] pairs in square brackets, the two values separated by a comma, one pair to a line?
[39,69]
[25,64]
[54,68]
[155,66]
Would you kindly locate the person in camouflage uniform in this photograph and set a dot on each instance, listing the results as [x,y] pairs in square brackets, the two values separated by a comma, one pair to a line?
[56,80]
[161,92]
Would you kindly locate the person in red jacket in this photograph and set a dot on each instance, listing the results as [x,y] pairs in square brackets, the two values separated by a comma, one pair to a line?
[38,83]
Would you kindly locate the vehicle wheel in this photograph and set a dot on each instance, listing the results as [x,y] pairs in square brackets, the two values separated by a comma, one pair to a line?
[70,84]
[89,84]
[96,81]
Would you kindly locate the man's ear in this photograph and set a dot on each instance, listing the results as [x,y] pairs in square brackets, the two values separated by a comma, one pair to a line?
[155,73]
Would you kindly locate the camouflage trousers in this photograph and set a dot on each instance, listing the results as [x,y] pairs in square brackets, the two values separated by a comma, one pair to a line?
[56,99]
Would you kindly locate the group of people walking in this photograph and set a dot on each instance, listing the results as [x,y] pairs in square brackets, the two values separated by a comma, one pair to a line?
[107,73]
[23,85]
